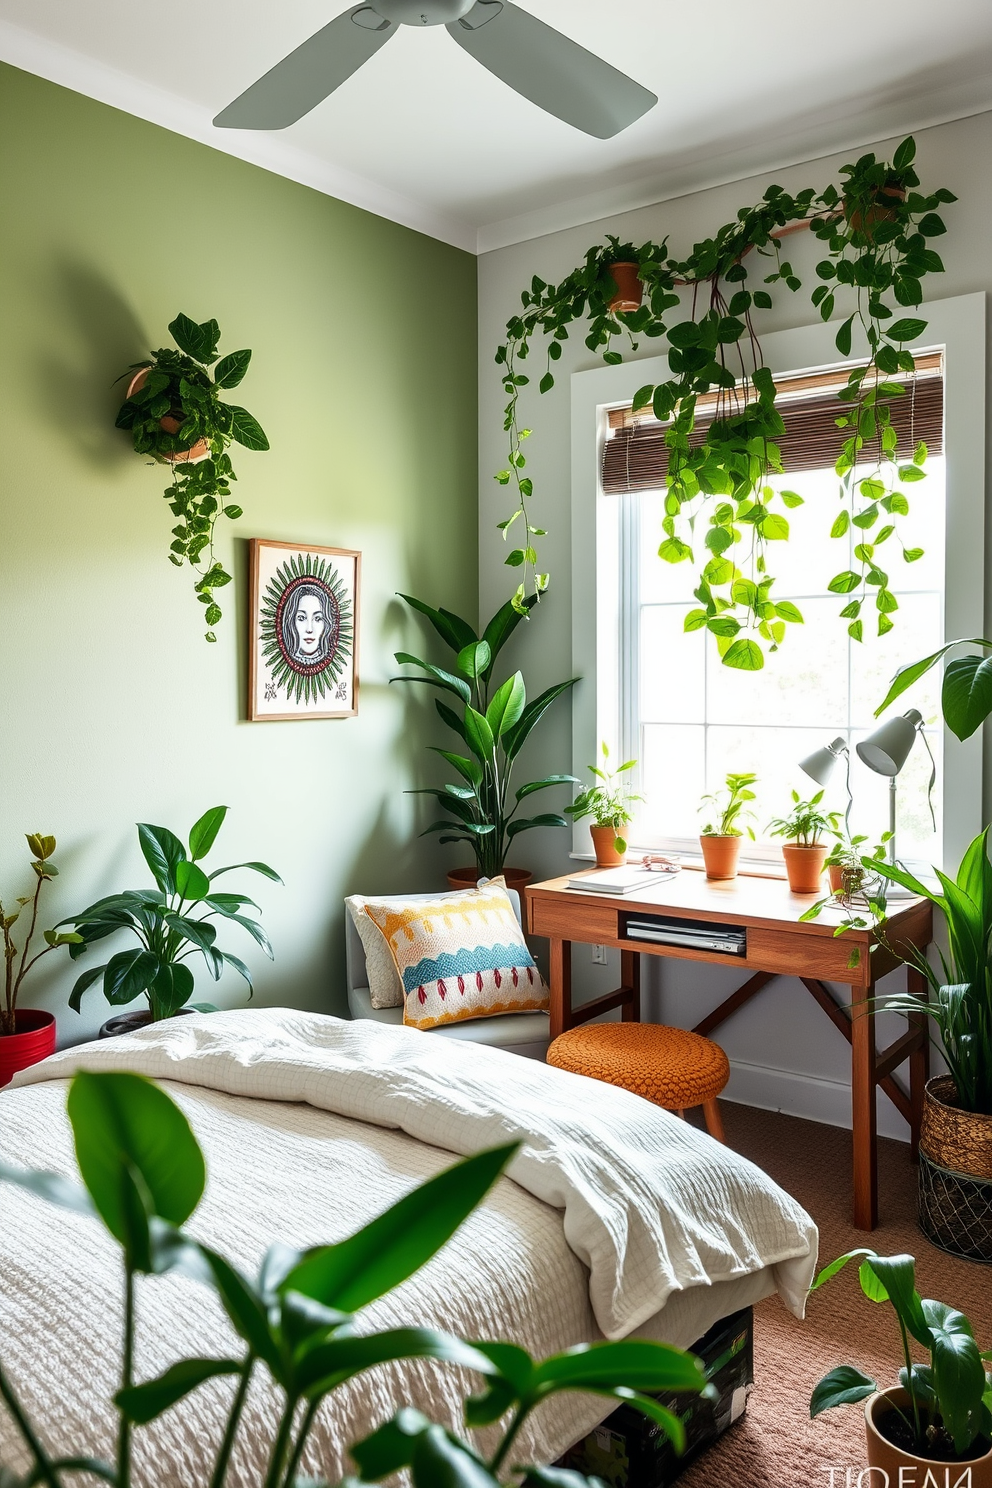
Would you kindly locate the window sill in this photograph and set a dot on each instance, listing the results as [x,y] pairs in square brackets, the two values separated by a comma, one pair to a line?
[695,864]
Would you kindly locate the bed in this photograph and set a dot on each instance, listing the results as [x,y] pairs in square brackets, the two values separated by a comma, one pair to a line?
[616,1218]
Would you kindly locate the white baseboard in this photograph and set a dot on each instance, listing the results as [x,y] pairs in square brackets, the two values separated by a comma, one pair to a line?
[813,1099]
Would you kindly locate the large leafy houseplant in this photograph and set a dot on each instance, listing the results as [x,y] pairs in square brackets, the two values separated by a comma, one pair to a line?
[172,923]
[948,1411]
[18,961]
[175,413]
[144,1174]
[876,229]
[960,1006]
[493,722]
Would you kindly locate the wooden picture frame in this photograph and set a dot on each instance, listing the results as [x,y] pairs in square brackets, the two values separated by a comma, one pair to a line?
[303,646]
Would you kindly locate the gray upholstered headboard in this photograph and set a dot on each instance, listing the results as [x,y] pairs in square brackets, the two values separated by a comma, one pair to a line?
[355,951]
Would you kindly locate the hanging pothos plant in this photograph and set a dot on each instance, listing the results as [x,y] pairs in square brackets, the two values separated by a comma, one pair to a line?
[875,230]
[175,413]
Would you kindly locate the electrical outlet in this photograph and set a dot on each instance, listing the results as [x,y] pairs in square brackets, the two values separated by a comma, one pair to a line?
[599,955]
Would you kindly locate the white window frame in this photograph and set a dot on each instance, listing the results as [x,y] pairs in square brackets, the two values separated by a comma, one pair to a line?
[956,327]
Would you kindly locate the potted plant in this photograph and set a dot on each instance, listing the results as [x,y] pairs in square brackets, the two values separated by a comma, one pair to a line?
[171,923]
[27,1035]
[721,840]
[144,1174]
[609,806]
[493,723]
[175,413]
[847,861]
[803,850]
[940,1412]
[956,1135]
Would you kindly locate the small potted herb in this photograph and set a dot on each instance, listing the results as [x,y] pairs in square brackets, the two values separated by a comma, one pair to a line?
[171,923]
[941,1411]
[803,849]
[846,864]
[721,841]
[609,806]
[27,1035]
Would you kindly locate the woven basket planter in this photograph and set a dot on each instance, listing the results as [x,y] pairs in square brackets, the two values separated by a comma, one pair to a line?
[955,1174]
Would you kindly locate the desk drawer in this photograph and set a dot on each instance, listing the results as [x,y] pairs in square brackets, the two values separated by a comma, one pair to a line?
[801,954]
[595,924]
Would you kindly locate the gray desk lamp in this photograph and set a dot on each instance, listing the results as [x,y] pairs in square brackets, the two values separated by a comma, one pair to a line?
[886,751]
[820,765]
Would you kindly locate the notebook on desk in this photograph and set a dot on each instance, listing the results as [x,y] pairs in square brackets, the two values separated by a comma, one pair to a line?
[619,880]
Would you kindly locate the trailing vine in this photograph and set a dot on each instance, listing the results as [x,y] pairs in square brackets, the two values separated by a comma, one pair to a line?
[175,414]
[875,230]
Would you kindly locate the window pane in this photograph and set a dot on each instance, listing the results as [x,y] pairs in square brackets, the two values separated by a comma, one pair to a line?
[804,682]
[673,667]
[916,634]
[672,776]
[773,754]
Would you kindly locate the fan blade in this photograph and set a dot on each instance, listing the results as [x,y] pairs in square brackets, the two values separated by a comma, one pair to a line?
[305,78]
[550,69]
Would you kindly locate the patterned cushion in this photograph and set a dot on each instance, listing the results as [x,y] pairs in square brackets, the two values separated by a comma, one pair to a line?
[460,957]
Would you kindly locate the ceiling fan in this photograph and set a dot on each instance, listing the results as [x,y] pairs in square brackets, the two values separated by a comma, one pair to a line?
[534,59]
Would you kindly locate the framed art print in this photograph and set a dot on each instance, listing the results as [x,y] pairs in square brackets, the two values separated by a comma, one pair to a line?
[304,631]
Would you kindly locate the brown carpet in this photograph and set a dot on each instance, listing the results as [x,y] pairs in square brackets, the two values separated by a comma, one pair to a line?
[776,1445]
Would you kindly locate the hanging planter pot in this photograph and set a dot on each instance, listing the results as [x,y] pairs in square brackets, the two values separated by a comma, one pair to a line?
[630,290]
[879,209]
[170,425]
[955,1174]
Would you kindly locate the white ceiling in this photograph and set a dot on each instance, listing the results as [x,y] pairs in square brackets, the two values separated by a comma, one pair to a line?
[424,135]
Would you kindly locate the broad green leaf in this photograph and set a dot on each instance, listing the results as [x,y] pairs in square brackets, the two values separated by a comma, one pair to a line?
[637,1364]
[390,1447]
[507,705]
[255,931]
[514,739]
[142,1403]
[504,623]
[467,768]
[124,1125]
[906,330]
[329,1364]
[453,630]
[841,1386]
[385,1252]
[172,988]
[239,967]
[128,974]
[162,851]
[744,655]
[50,1186]
[536,785]
[479,735]
[474,658]
[262,868]
[82,983]
[191,881]
[231,369]
[439,1461]
[436,675]
[204,832]
[247,430]
[774,527]
[966,694]
[245,1308]
[958,1372]
[831,1270]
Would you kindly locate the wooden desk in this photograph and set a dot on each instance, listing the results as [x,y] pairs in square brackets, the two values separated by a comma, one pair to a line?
[778,944]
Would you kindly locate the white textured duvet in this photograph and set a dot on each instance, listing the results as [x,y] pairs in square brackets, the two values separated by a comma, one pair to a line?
[311,1126]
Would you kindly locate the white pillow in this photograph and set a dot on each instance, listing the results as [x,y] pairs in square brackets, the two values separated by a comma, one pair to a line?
[385,986]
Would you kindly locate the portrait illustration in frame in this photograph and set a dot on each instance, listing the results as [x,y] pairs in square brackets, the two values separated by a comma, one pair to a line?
[304,631]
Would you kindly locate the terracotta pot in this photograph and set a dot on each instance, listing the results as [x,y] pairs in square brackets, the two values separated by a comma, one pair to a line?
[720,855]
[198,451]
[891,1460]
[467,878]
[131,1022]
[804,867]
[603,841]
[878,212]
[33,1042]
[630,290]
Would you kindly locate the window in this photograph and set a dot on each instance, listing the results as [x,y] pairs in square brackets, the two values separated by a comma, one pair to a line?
[662,695]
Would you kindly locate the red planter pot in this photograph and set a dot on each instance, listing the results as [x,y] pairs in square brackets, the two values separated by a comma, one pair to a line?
[33,1041]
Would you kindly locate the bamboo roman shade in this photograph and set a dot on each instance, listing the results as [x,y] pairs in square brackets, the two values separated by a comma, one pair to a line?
[635,456]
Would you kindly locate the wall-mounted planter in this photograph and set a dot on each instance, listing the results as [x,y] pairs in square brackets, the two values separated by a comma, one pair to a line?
[198,451]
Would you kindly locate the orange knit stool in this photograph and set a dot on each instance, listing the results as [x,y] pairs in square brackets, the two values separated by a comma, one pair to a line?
[670,1066]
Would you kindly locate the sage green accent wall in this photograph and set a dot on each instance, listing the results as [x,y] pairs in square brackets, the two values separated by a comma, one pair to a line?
[113,708]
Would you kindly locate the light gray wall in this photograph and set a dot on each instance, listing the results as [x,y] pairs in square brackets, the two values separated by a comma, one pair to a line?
[785,1054]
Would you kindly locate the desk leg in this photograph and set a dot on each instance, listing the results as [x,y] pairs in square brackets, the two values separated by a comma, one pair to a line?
[919,1060]
[630,980]
[863,1109]
[561,986]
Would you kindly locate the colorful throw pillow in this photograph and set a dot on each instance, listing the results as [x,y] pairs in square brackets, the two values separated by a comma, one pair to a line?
[460,957]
